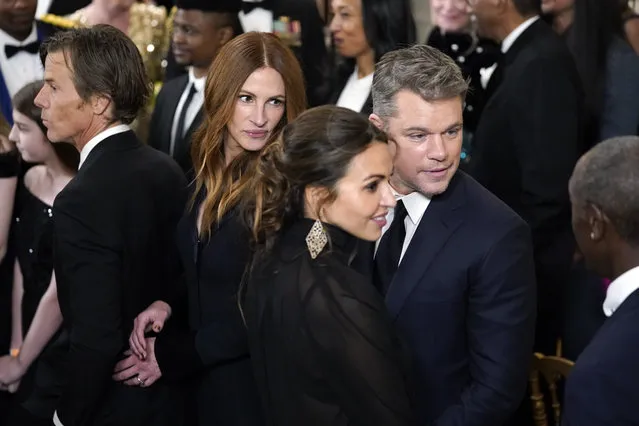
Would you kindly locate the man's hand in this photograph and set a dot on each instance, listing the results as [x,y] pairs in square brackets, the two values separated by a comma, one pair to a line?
[135,371]
[153,318]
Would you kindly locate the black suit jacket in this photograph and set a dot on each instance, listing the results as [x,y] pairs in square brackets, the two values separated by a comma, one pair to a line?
[529,136]
[463,298]
[213,347]
[114,255]
[602,387]
[526,145]
[162,122]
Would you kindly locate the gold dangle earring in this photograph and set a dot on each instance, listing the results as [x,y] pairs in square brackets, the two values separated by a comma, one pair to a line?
[316,239]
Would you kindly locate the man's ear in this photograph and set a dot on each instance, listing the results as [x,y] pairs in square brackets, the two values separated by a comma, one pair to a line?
[377,121]
[226,35]
[100,104]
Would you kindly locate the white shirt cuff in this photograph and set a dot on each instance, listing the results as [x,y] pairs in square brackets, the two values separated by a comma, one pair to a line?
[56,419]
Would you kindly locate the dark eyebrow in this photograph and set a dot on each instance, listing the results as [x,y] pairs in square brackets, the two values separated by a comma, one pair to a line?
[371,177]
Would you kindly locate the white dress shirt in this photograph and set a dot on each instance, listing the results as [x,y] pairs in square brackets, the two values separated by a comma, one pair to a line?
[259,19]
[121,128]
[486,73]
[196,104]
[23,67]
[416,205]
[356,92]
[620,289]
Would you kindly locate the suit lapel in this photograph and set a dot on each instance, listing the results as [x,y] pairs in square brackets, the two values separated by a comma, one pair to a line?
[441,219]
[172,101]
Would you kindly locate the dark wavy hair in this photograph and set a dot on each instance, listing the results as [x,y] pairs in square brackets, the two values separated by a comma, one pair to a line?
[315,150]
[23,103]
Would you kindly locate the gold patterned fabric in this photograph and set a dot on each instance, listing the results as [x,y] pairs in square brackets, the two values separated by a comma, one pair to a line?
[148,30]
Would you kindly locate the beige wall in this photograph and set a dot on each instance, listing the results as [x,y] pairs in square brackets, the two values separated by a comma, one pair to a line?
[421,10]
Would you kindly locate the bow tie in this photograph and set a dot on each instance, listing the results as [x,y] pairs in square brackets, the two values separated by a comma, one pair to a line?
[11,50]
[248,7]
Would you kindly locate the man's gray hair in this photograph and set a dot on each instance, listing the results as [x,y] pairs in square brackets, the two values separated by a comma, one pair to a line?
[420,69]
[607,176]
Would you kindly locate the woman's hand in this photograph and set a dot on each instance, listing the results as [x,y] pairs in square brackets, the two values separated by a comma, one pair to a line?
[11,372]
[153,318]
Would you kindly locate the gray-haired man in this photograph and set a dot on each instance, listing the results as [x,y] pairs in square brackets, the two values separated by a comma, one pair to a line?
[463,295]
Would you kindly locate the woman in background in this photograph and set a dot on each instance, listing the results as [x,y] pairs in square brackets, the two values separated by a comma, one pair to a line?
[36,315]
[323,346]
[608,66]
[455,35]
[363,31]
[254,88]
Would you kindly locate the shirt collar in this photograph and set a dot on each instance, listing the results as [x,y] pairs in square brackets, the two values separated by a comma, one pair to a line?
[121,128]
[415,203]
[620,289]
[514,35]
[7,39]
[197,82]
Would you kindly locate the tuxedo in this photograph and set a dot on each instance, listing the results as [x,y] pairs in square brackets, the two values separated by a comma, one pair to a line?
[527,142]
[463,299]
[311,52]
[114,254]
[43,31]
[160,132]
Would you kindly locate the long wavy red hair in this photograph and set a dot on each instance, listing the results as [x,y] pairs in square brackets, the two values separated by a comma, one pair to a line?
[237,60]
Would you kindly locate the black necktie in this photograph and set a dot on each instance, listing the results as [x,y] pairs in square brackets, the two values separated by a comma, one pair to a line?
[390,249]
[179,133]
[10,50]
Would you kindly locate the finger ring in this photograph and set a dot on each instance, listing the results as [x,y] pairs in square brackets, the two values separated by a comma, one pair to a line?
[140,381]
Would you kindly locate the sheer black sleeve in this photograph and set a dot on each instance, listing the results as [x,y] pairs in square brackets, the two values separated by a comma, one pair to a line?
[355,341]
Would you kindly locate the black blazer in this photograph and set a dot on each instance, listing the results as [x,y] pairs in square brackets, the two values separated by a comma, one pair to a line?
[342,74]
[602,387]
[162,122]
[529,136]
[463,298]
[324,349]
[212,350]
[114,254]
[525,147]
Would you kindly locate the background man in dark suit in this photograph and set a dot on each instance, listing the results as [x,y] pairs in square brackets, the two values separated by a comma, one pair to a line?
[528,140]
[200,29]
[114,223]
[463,295]
[604,190]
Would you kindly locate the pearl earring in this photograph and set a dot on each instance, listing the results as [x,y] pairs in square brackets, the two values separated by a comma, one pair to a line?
[592,235]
